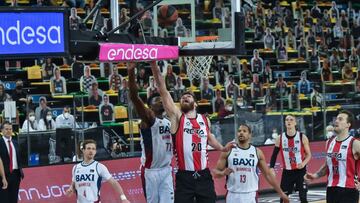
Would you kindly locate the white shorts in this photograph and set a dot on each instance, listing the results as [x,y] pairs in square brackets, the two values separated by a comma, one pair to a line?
[244,197]
[159,185]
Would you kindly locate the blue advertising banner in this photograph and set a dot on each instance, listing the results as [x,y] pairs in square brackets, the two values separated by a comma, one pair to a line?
[33,32]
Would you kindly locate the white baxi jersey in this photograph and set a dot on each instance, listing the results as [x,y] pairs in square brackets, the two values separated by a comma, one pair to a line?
[244,163]
[156,144]
[87,179]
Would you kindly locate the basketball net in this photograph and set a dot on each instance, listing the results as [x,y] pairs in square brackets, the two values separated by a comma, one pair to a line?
[198,66]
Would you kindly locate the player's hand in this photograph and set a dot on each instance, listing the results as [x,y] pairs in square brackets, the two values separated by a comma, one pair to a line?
[272,171]
[4,183]
[229,146]
[131,65]
[125,201]
[285,198]
[227,171]
[300,166]
[357,184]
[308,177]
[69,192]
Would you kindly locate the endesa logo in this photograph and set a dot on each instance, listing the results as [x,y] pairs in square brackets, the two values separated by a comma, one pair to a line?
[136,52]
[31,32]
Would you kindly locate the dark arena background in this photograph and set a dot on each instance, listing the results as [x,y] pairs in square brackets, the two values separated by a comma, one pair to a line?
[252,62]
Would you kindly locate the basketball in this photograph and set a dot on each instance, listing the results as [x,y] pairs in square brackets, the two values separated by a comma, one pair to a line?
[167,15]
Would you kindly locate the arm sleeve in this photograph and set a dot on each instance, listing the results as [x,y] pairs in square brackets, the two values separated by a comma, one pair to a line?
[274,156]
[103,172]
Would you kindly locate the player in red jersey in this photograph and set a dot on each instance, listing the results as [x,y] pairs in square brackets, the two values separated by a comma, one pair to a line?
[191,136]
[295,151]
[342,154]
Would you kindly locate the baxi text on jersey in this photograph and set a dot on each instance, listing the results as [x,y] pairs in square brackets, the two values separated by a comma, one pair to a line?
[85,177]
[244,162]
[164,129]
[191,131]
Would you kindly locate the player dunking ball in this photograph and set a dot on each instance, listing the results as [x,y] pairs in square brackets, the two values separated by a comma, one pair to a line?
[156,145]
[342,154]
[87,177]
[295,151]
[240,166]
[191,136]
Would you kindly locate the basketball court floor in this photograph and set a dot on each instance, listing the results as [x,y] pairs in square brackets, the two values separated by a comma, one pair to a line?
[315,195]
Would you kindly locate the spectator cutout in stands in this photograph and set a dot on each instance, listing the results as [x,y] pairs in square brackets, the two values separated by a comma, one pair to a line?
[256,88]
[207,92]
[281,52]
[74,20]
[48,123]
[42,109]
[106,110]
[269,40]
[86,80]
[123,98]
[268,73]
[57,83]
[180,29]
[170,78]
[142,78]
[179,89]
[231,87]
[30,124]
[314,61]
[293,100]
[246,75]
[326,74]
[152,89]
[257,63]
[115,79]
[95,95]
[304,86]
[48,69]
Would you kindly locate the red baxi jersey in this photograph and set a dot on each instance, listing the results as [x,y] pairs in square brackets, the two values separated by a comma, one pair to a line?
[190,143]
[292,150]
[341,163]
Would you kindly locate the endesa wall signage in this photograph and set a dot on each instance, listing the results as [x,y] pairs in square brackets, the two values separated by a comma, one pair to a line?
[29,32]
[136,52]
[49,183]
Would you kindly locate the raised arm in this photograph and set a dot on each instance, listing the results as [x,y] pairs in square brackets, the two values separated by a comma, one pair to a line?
[306,144]
[147,116]
[269,176]
[171,109]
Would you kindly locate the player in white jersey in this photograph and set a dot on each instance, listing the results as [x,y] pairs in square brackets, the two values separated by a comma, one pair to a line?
[88,175]
[240,166]
[342,155]
[156,144]
[191,135]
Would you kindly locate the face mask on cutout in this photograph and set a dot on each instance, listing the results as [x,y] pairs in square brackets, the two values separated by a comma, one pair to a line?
[66,115]
[48,118]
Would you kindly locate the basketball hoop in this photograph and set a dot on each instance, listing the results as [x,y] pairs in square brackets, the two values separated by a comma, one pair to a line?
[198,66]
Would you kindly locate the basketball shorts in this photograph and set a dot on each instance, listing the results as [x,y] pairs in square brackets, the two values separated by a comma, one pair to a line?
[244,197]
[159,185]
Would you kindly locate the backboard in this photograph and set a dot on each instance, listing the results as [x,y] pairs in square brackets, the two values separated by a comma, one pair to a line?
[199,18]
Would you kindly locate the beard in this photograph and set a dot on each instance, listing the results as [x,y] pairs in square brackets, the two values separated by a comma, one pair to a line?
[186,107]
